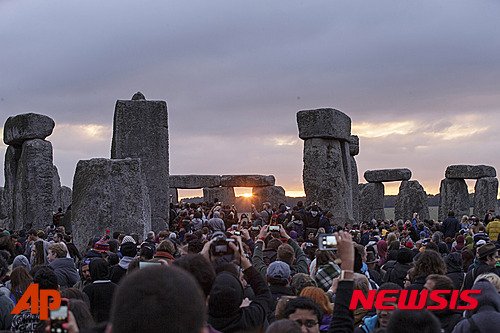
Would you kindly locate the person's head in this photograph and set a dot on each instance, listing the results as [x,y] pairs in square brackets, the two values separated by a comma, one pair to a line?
[158,299]
[200,269]
[304,312]
[383,315]
[82,315]
[488,254]
[451,213]
[99,269]
[58,237]
[46,278]
[492,277]
[38,253]
[128,247]
[266,205]
[286,253]
[413,321]
[361,283]
[56,250]
[278,273]
[20,281]
[32,235]
[429,262]
[301,281]
[319,297]
[284,326]
[439,282]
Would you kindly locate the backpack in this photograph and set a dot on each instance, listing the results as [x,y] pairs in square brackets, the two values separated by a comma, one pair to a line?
[275,218]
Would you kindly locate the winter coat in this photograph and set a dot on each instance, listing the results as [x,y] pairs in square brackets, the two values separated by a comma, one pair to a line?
[486,315]
[493,229]
[66,272]
[473,273]
[454,269]
[450,227]
[397,275]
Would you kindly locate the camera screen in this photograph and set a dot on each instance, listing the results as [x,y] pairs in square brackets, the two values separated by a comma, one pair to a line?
[220,248]
[59,314]
[329,241]
[274,228]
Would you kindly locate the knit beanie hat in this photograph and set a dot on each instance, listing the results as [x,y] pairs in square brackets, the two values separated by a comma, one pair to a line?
[128,247]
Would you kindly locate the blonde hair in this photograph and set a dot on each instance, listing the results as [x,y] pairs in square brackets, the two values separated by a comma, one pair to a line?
[464,219]
[319,297]
[391,237]
[58,249]
[492,277]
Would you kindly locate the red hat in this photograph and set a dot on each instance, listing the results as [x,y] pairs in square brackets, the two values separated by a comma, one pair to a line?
[409,245]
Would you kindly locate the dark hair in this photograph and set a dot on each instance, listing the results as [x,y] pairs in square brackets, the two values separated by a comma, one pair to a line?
[82,315]
[200,269]
[195,246]
[286,253]
[274,243]
[430,262]
[39,258]
[147,251]
[284,326]
[441,282]
[20,280]
[46,278]
[431,246]
[113,245]
[304,303]
[413,321]
[158,299]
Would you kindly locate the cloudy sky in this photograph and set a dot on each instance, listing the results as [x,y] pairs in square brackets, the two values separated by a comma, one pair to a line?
[419,79]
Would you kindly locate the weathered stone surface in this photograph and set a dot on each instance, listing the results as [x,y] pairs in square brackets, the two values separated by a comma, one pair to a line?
[412,198]
[64,197]
[194,181]
[324,123]
[109,194]
[485,196]
[56,187]
[223,194]
[66,219]
[387,175]
[326,177]
[174,195]
[12,156]
[33,196]
[3,208]
[138,96]
[247,180]
[140,130]
[355,189]
[453,195]
[354,145]
[275,195]
[371,202]
[470,171]
[26,126]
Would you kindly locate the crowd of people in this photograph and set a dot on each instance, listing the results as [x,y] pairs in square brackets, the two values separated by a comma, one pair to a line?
[216,270]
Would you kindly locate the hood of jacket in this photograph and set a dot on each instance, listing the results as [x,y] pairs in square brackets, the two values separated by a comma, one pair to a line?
[488,299]
[226,296]
[99,270]
[454,263]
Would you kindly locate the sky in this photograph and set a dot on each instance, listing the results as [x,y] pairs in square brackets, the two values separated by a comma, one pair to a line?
[419,79]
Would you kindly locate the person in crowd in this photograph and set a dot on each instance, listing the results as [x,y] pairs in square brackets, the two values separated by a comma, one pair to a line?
[413,321]
[216,223]
[64,267]
[454,269]
[320,298]
[305,312]
[487,256]
[128,249]
[101,291]
[85,278]
[278,277]
[264,215]
[493,228]
[397,273]
[429,262]
[450,225]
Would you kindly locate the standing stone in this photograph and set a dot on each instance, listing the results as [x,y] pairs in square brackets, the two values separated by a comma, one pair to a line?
[354,145]
[371,202]
[224,194]
[355,190]
[12,156]
[246,180]
[326,177]
[470,171]
[140,130]
[174,195]
[275,195]
[3,207]
[453,195]
[27,126]
[33,197]
[56,188]
[109,194]
[64,197]
[485,196]
[411,199]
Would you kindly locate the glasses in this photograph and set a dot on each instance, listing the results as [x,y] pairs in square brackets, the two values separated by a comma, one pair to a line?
[307,323]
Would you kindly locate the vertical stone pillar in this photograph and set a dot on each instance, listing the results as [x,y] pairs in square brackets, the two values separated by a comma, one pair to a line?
[33,195]
[109,194]
[327,170]
[412,198]
[272,194]
[224,194]
[174,195]
[485,196]
[371,202]
[453,195]
[354,150]
[140,130]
